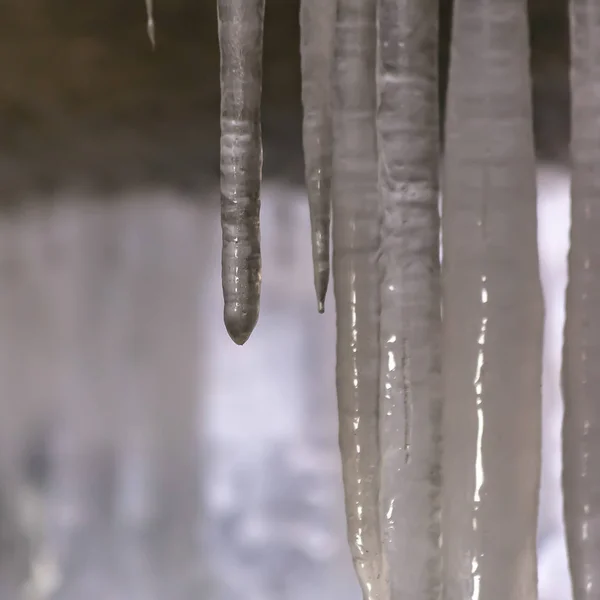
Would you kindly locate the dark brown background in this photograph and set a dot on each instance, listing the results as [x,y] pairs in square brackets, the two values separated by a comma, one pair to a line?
[85,101]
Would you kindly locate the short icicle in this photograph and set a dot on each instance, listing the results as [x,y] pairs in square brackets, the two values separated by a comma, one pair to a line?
[581,376]
[356,222]
[241,25]
[410,329]
[150,22]
[492,310]
[317,30]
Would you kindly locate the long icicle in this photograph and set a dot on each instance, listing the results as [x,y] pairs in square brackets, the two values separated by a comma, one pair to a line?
[410,328]
[356,222]
[581,376]
[317,29]
[492,310]
[241,45]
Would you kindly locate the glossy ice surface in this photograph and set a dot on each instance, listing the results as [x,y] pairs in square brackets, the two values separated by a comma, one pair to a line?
[356,218]
[410,426]
[241,47]
[581,431]
[492,310]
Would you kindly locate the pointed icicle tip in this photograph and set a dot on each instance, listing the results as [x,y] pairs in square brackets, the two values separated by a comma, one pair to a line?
[151,33]
[321,285]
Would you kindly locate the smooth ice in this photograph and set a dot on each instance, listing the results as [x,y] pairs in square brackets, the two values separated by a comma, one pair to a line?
[356,218]
[410,397]
[492,310]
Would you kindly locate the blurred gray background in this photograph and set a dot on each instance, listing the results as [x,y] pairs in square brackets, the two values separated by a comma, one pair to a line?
[143,455]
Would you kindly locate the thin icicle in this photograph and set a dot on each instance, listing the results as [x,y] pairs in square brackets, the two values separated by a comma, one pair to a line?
[356,282]
[581,376]
[492,310]
[410,328]
[241,44]
[150,22]
[317,27]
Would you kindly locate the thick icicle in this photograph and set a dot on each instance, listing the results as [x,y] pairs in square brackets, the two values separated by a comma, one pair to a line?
[410,328]
[150,22]
[492,310]
[356,282]
[317,27]
[241,43]
[581,376]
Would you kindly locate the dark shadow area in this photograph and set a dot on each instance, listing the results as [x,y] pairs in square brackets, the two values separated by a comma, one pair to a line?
[85,101]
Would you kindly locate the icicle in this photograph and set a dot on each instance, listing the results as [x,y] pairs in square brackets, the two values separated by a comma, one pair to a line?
[492,310]
[410,328]
[581,376]
[356,282]
[317,26]
[241,42]
[150,23]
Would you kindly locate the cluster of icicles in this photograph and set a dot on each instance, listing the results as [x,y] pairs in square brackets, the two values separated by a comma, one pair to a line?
[440,418]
